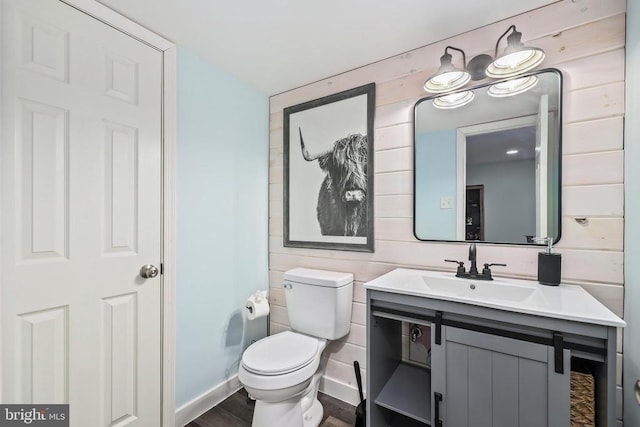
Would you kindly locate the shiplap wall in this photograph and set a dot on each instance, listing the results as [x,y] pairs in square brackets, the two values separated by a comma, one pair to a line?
[585,40]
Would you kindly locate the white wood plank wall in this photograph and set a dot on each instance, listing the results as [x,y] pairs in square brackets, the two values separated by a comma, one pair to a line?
[585,40]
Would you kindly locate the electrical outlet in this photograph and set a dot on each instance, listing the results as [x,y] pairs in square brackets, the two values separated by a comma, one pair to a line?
[446,203]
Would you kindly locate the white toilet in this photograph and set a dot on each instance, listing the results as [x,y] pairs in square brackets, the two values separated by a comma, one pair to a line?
[281,371]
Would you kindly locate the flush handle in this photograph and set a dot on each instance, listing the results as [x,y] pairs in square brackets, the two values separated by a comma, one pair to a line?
[148,271]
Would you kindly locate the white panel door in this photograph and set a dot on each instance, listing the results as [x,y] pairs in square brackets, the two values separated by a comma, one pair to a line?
[80,213]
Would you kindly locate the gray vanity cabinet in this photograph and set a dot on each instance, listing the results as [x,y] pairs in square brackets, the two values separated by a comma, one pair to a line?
[489,367]
[488,380]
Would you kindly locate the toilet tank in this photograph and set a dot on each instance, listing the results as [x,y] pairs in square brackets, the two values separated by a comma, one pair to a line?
[319,302]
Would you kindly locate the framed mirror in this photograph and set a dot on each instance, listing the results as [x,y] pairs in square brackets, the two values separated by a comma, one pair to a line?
[487,162]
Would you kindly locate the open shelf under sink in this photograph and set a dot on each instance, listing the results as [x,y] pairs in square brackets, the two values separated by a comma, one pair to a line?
[408,392]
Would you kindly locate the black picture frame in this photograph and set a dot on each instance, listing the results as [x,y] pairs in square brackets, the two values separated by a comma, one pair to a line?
[329,172]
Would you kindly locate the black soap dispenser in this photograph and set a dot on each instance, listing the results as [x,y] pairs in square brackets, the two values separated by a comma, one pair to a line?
[549,264]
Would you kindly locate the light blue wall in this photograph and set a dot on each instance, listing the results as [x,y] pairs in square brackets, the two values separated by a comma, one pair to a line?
[436,152]
[222,222]
[632,217]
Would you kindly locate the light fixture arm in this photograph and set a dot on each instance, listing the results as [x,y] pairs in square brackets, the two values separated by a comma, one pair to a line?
[464,57]
[511,28]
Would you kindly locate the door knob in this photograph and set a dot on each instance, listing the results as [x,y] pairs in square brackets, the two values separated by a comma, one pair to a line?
[148,271]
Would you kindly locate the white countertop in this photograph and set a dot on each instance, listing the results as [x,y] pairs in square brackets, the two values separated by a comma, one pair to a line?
[567,302]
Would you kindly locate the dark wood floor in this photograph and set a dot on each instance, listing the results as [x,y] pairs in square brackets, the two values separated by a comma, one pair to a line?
[237,411]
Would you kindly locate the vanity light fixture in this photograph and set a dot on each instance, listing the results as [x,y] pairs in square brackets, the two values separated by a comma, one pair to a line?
[448,77]
[453,100]
[513,86]
[516,58]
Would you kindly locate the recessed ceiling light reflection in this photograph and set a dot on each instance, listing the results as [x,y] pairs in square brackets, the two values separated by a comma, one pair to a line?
[513,87]
[453,100]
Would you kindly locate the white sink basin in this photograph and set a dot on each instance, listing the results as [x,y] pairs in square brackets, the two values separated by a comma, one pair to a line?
[569,302]
[490,290]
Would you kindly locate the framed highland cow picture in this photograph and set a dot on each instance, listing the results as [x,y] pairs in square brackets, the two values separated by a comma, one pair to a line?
[328,172]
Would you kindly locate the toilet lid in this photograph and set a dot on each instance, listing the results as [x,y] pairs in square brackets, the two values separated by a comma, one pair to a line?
[280,353]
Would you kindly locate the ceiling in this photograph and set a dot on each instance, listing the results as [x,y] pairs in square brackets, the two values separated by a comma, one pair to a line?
[492,147]
[278,45]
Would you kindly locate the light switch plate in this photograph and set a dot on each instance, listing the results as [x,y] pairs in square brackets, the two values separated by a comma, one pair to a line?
[446,202]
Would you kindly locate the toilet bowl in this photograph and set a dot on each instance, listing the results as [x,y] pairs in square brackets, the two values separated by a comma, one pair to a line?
[282,371]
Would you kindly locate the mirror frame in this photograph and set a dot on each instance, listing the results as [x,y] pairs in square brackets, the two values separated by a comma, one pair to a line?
[558,151]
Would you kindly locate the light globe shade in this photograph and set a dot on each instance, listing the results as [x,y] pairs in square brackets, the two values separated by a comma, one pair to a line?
[516,58]
[453,100]
[510,64]
[513,86]
[448,77]
[447,81]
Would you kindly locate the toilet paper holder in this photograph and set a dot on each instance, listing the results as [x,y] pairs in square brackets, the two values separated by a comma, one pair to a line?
[257,297]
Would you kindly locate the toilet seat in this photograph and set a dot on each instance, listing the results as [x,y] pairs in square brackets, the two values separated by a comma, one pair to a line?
[280,354]
[260,369]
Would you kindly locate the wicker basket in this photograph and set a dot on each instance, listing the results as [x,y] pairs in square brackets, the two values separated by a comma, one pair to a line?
[583,408]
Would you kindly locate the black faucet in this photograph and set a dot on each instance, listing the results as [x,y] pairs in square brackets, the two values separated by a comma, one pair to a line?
[472,257]
[473,269]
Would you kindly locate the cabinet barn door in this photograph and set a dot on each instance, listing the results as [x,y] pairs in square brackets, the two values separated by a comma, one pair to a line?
[80,213]
[491,381]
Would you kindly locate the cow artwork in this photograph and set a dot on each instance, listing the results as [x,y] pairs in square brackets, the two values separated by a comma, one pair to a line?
[328,172]
[342,198]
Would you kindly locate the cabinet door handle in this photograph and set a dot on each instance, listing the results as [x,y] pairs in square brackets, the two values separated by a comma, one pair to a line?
[438,398]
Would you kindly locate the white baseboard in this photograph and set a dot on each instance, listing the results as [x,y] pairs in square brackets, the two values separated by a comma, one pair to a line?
[201,404]
[340,390]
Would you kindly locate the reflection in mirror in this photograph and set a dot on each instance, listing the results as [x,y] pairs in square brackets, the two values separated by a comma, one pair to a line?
[489,170]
